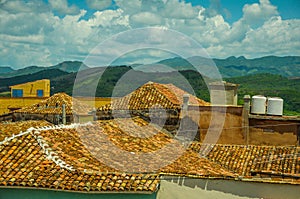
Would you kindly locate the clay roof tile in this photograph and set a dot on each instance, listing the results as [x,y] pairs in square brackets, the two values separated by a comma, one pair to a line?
[152,95]
[53,105]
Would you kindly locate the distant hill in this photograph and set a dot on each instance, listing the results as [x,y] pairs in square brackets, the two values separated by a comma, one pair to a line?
[288,66]
[121,80]
[67,66]
[44,74]
[177,63]
[285,66]
[24,71]
[5,69]
[70,66]
[269,76]
[240,66]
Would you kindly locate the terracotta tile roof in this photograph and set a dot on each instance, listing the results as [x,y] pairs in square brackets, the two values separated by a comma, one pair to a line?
[29,161]
[58,157]
[53,105]
[150,94]
[190,163]
[246,160]
[64,157]
[9,128]
[78,147]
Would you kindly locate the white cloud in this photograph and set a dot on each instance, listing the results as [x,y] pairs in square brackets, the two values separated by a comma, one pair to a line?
[62,7]
[24,23]
[108,18]
[256,14]
[275,37]
[129,7]
[98,5]
[30,39]
[179,10]
[145,18]
[17,6]
[66,38]
[32,34]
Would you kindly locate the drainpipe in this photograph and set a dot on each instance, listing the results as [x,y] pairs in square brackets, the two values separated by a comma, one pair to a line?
[64,114]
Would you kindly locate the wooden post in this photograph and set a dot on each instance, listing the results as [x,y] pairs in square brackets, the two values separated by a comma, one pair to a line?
[246,109]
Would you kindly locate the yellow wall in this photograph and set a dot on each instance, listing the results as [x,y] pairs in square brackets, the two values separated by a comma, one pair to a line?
[30,88]
[94,102]
[19,102]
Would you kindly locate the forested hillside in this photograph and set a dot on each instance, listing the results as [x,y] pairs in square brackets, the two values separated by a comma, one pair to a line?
[120,80]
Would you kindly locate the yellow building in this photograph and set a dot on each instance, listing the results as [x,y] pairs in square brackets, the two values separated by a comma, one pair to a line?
[39,88]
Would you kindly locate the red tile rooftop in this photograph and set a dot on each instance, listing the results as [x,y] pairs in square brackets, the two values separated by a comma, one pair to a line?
[150,95]
[9,128]
[66,157]
[242,160]
[53,105]
[28,161]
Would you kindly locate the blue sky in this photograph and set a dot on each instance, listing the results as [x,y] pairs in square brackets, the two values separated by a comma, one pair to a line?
[288,9]
[46,32]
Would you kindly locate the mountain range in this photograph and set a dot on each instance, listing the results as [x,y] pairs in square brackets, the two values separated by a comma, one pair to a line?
[288,66]
[67,66]
[269,76]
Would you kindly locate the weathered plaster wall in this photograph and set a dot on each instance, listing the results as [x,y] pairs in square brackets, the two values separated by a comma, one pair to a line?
[227,189]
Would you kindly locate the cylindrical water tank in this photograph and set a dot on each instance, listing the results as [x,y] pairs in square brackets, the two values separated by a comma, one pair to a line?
[275,106]
[258,104]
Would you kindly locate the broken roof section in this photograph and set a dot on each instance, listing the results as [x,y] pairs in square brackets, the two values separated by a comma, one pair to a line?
[152,95]
[53,105]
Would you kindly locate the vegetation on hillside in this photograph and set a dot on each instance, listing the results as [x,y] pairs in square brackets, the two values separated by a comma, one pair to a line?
[287,66]
[67,66]
[270,85]
[45,74]
[121,80]
[240,66]
[5,69]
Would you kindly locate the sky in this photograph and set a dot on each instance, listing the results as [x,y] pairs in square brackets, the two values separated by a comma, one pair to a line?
[47,32]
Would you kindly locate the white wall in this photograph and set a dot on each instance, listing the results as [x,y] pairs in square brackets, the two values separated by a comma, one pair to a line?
[174,187]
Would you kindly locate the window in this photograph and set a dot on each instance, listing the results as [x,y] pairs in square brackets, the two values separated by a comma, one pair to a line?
[17,93]
[40,93]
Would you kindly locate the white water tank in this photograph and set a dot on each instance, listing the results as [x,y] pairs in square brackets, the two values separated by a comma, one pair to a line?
[275,106]
[258,104]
